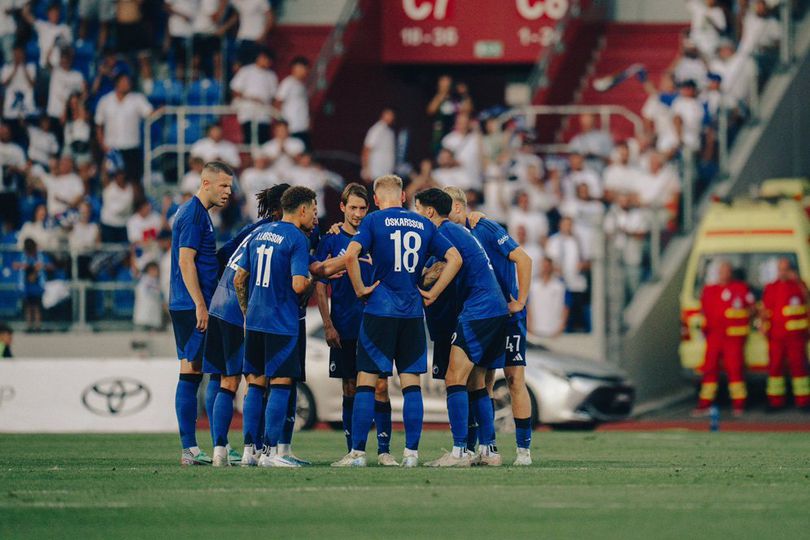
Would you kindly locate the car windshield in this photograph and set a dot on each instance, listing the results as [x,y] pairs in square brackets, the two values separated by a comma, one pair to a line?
[756,269]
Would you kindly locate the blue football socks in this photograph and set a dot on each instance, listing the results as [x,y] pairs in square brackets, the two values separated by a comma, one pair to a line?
[289,418]
[348,406]
[185,405]
[382,419]
[362,416]
[413,412]
[252,410]
[276,413]
[472,425]
[457,410]
[485,414]
[210,396]
[523,432]
[223,414]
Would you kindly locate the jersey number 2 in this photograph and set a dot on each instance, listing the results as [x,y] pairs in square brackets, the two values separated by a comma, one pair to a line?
[263,265]
[406,250]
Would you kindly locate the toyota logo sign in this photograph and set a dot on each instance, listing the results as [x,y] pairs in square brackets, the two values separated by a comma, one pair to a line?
[116,396]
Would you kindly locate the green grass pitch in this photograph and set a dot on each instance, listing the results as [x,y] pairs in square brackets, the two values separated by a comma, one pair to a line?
[584,485]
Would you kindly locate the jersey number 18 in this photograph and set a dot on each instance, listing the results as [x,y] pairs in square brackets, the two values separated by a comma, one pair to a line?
[406,250]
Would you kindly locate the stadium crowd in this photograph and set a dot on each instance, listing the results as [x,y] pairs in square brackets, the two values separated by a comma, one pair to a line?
[79,78]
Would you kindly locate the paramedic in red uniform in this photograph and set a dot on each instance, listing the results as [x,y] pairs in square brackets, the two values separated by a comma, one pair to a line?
[784,322]
[726,307]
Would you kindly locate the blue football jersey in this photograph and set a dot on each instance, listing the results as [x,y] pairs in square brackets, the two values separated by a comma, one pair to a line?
[442,315]
[498,245]
[193,229]
[225,304]
[399,242]
[477,289]
[275,253]
[346,308]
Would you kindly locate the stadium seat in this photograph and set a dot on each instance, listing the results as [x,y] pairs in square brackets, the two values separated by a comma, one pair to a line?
[123,301]
[9,294]
[84,58]
[32,51]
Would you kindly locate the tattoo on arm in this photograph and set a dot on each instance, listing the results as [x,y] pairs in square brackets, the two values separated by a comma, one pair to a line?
[241,288]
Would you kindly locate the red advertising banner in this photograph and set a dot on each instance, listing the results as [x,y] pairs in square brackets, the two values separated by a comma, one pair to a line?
[470,31]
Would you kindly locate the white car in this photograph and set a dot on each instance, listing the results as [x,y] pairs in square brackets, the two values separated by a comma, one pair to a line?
[566,391]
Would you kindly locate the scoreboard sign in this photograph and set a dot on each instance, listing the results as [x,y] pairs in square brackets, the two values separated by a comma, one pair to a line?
[470,31]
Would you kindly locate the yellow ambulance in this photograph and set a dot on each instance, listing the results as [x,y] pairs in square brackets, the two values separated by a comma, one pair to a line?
[752,234]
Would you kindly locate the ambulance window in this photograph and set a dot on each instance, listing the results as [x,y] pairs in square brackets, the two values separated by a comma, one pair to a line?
[756,269]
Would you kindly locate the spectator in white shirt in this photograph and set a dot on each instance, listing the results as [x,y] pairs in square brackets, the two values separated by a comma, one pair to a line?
[524,158]
[118,125]
[144,225]
[18,80]
[293,101]
[379,148]
[688,116]
[548,303]
[8,27]
[627,228]
[255,22]
[594,144]
[51,34]
[42,144]
[77,133]
[13,165]
[580,174]
[619,175]
[282,150]
[660,189]
[191,180]
[448,172]
[657,113]
[39,230]
[587,215]
[690,66]
[147,312]
[306,174]
[535,223]
[181,14]
[85,235]
[117,199]
[466,145]
[563,248]
[214,147]
[64,82]
[737,71]
[533,250]
[761,33]
[253,180]
[707,25]
[64,188]
[253,88]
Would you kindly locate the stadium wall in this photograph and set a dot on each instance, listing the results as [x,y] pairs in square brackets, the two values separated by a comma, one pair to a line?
[648,11]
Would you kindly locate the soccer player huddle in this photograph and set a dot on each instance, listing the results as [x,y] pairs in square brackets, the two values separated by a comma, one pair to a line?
[241,310]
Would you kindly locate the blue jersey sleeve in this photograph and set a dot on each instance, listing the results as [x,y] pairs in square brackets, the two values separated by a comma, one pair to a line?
[496,236]
[438,244]
[364,235]
[191,235]
[324,251]
[299,258]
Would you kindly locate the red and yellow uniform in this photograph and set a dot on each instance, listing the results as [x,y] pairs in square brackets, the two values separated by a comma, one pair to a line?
[785,324]
[726,311]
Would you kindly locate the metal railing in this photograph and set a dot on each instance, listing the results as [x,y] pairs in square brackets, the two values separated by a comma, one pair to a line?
[181,147]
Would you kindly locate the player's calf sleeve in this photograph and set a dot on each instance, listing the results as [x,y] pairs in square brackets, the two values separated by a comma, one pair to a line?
[523,432]
[185,405]
[252,411]
[484,413]
[413,412]
[265,397]
[348,406]
[275,413]
[472,425]
[382,419]
[223,414]
[211,396]
[362,416]
[289,417]
[457,410]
